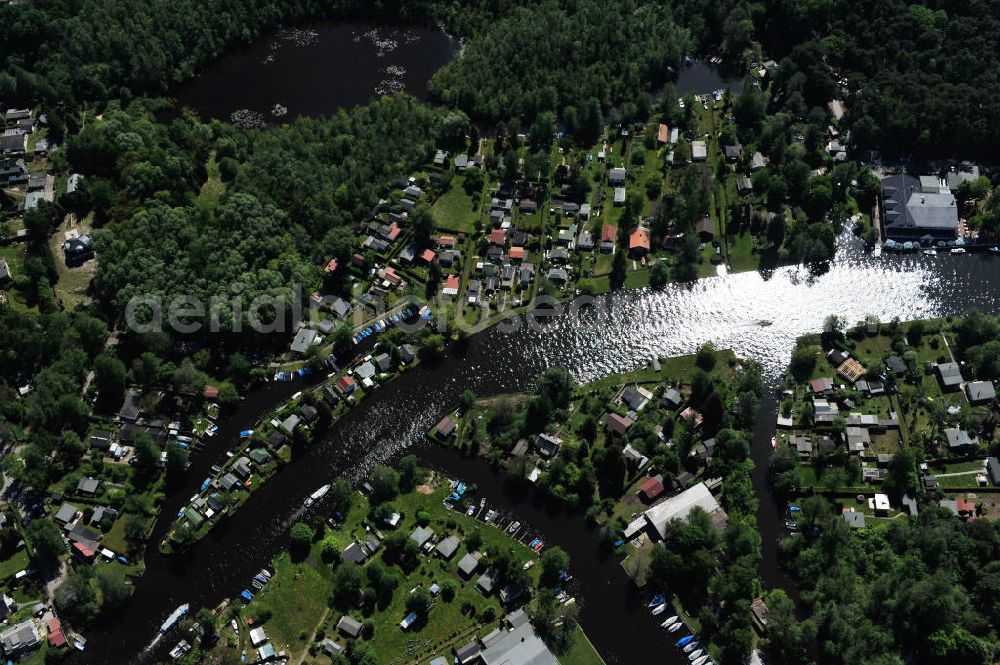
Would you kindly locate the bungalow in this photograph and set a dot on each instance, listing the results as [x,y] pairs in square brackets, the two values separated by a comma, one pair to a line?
[275,440]
[881,504]
[20,638]
[619,196]
[993,470]
[896,365]
[365,370]
[528,207]
[87,486]
[558,275]
[651,489]
[585,242]
[485,583]
[421,535]
[228,482]
[517,253]
[705,228]
[413,192]
[346,384]
[663,133]
[384,362]
[130,407]
[447,547]
[451,284]
[304,338]
[498,237]
[468,653]
[949,376]
[980,392]
[257,636]
[349,627]
[638,242]
[733,152]
[857,439]
[241,468]
[855,520]
[467,565]
[959,440]
[609,234]
[680,506]
[636,397]
[446,428]
[547,445]
[671,399]
[617,425]
[559,255]
[699,151]
[407,353]
[616,177]
[821,386]
[461,162]
[744,185]
[66,514]
[526,273]
[585,211]
[290,423]
[758,161]
[439,157]
[353,553]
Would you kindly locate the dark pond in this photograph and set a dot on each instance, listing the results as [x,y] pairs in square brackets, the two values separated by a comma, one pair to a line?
[624,331]
[701,77]
[316,70]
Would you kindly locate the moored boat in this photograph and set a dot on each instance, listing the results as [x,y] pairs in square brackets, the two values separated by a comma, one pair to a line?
[174,617]
[317,495]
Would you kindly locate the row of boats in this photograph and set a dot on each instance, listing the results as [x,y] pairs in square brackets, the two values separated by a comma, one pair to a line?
[379,326]
[695,653]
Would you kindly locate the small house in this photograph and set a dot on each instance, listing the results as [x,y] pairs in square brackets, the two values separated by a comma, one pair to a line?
[980,392]
[638,242]
[447,547]
[349,627]
[547,446]
[467,565]
[949,376]
[421,535]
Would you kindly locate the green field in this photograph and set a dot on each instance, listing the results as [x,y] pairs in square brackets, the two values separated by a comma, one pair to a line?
[455,210]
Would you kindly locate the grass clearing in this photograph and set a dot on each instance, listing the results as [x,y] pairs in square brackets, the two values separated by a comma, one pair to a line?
[455,210]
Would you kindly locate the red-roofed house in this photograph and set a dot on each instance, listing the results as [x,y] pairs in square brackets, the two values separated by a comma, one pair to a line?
[638,242]
[56,637]
[517,253]
[83,552]
[451,285]
[332,266]
[498,237]
[346,384]
[663,134]
[609,234]
[358,260]
[427,256]
[651,489]
[394,232]
[211,392]
[389,274]
[446,241]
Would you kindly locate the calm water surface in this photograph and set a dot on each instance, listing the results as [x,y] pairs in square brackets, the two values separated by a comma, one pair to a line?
[623,332]
[316,70]
[700,77]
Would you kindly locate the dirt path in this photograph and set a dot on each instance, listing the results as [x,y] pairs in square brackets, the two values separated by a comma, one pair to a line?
[312,636]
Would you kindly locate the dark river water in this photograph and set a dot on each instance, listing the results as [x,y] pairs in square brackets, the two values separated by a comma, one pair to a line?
[623,332]
[316,70]
[700,77]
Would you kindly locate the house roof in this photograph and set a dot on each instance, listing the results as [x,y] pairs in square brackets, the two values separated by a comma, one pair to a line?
[950,374]
[448,547]
[639,239]
[520,646]
[679,506]
[348,626]
[609,233]
[981,391]
[652,488]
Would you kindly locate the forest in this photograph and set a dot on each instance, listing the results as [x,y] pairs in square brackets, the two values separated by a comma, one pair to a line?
[918,591]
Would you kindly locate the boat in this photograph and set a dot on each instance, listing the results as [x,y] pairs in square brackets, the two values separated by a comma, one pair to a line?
[174,617]
[669,622]
[260,578]
[471,510]
[236,626]
[265,572]
[538,546]
[685,640]
[701,661]
[528,564]
[763,323]
[691,646]
[995,250]
[674,628]
[317,495]
[695,655]
[489,515]
[774,442]
[246,596]
[658,599]
[958,250]
[659,609]
[182,648]
[533,543]
[256,585]
[930,252]
[482,502]
[514,526]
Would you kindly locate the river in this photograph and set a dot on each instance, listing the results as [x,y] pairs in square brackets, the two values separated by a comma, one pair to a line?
[315,70]
[624,331]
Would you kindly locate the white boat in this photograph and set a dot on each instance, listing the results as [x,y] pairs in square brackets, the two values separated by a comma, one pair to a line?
[182,648]
[489,515]
[957,250]
[659,609]
[513,527]
[689,647]
[695,655]
[677,626]
[995,250]
[174,617]
[701,661]
[669,622]
[317,495]
[930,252]
[236,626]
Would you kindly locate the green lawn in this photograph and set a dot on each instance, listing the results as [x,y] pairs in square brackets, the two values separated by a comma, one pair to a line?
[213,187]
[455,210]
[297,596]
[581,652]
[16,563]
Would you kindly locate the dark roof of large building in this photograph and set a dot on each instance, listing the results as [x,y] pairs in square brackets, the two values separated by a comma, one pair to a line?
[907,208]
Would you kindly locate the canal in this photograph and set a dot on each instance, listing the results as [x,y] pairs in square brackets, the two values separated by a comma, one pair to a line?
[623,331]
